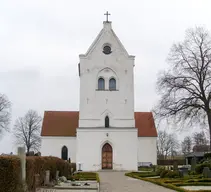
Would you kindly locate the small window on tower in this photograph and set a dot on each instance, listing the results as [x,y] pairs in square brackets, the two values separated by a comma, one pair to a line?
[112,84]
[106,121]
[101,84]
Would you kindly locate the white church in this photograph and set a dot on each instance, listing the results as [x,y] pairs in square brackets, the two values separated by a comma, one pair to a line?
[106,132]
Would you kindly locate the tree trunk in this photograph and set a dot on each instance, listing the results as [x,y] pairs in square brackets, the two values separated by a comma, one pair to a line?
[28,150]
[209,123]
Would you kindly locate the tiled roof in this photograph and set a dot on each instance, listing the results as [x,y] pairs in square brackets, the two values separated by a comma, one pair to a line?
[64,123]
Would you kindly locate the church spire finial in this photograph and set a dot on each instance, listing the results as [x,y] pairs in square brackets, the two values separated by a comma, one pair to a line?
[107,14]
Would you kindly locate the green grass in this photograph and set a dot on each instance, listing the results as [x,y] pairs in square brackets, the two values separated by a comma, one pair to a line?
[175,183]
[84,176]
[144,174]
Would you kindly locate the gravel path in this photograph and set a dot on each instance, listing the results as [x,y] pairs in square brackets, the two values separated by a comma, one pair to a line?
[118,182]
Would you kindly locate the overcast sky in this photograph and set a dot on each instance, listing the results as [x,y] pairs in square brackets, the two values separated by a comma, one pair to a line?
[40,42]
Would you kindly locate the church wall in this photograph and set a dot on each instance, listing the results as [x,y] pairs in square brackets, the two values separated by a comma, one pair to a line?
[90,143]
[147,151]
[51,146]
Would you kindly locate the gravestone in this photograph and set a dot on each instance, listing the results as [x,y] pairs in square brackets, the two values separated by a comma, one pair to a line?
[22,156]
[37,181]
[206,172]
[193,164]
[183,171]
[57,175]
[175,166]
[47,177]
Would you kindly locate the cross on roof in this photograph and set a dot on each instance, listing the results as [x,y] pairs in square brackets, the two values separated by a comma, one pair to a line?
[107,14]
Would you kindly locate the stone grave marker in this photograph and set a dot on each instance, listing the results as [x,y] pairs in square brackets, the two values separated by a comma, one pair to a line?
[206,172]
[193,164]
[47,177]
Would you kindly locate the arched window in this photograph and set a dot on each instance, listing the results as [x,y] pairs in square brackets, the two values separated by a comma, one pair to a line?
[106,121]
[112,84]
[101,84]
[64,153]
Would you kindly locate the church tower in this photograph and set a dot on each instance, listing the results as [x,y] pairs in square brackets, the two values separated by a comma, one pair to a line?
[106,83]
[106,117]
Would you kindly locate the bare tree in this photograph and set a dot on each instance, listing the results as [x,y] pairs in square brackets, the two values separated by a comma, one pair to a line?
[27,130]
[185,88]
[186,145]
[200,142]
[167,145]
[5,115]
[199,138]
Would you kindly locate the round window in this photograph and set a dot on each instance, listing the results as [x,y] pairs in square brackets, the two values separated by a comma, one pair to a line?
[107,49]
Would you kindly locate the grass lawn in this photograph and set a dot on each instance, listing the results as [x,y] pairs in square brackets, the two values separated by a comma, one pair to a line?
[84,176]
[175,183]
[142,174]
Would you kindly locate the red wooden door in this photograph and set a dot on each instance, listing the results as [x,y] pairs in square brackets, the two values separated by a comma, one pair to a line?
[107,156]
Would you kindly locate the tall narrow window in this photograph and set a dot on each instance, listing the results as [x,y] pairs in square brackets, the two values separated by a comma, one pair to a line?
[106,121]
[101,84]
[112,84]
[64,153]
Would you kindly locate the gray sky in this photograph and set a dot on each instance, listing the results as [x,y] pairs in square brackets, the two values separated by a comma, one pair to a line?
[40,42]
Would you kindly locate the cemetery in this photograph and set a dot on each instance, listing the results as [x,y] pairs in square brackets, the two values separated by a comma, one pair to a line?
[196,177]
[35,173]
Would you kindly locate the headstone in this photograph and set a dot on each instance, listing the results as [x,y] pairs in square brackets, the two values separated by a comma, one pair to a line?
[57,175]
[193,164]
[37,180]
[79,167]
[47,177]
[175,166]
[183,171]
[22,156]
[206,172]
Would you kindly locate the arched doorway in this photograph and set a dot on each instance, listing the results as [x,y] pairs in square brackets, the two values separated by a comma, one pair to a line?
[107,156]
[64,153]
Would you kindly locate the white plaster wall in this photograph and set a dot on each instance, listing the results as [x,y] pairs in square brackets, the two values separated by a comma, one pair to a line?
[95,104]
[51,146]
[91,140]
[147,151]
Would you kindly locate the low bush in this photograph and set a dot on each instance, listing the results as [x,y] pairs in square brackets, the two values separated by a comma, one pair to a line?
[169,174]
[207,155]
[83,176]
[163,173]
[174,183]
[159,169]
[145,168]
[199,168]
[143,174]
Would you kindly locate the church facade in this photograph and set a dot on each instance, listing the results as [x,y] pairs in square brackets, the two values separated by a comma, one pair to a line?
[106,132]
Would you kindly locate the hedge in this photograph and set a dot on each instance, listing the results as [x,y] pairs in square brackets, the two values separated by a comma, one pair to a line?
[10,174]
[10,171]
[171,161]
[144,174]
[174,183]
